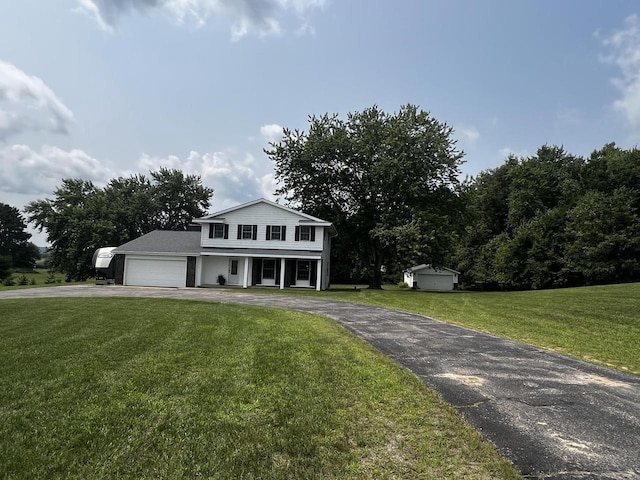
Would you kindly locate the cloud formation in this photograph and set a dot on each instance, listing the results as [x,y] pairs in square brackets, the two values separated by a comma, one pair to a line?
[233,177]
[27,104]
[26,171]
[623,48]
[260,17]
[271,133]
[469,135]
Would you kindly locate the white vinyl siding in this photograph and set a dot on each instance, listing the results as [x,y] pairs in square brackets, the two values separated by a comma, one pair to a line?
[263,215]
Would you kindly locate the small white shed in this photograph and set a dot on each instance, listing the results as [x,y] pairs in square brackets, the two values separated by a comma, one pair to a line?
[427,277]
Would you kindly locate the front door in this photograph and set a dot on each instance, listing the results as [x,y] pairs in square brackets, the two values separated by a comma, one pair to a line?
[303,273]
[268,271]
[234,277]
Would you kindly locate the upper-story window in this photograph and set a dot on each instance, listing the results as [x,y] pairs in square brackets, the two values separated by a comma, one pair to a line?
[218,230]
[247,232]
[276,232]
[306,233]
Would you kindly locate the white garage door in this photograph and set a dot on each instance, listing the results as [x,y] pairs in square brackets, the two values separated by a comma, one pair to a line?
[435,282]
[156,272]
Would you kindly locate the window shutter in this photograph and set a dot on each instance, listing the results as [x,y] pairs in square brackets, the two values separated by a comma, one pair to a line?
[226,231]
[239,232]
[255,232]
[313,234]
[297,233]
[211,230]
[283,233]
[268,237]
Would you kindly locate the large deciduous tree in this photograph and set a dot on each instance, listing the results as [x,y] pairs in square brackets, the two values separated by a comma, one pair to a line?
[82,217]
[15,248]
[389,182]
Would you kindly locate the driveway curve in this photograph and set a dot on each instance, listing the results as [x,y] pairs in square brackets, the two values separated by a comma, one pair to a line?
[554,417]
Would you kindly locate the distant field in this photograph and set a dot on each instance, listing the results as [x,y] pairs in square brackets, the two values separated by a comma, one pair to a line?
[148,388]
[38,278]
[597,324]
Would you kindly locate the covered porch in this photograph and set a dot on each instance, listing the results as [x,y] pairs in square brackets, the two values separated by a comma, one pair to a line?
[260,268]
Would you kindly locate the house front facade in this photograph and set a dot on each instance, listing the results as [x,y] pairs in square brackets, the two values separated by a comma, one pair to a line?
[260,243]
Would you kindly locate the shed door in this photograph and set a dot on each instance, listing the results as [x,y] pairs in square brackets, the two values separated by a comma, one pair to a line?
[434,282]
[156,272]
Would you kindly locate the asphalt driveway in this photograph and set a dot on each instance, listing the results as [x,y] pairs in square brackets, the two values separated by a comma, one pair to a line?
[552,416]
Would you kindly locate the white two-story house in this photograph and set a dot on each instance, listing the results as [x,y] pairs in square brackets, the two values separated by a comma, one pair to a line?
[260,243]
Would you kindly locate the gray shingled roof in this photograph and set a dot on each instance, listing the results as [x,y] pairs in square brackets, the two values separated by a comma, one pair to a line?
[164,241]
[188,243]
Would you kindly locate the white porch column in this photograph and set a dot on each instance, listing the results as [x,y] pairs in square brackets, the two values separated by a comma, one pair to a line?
[318,275]
[282,265]
[245,279]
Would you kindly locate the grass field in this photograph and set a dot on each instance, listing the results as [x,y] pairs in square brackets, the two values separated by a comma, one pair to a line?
[39,278]
[597,324]
[147,388]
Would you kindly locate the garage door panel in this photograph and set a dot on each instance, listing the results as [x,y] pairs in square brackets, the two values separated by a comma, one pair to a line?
[434,282]
[161,272]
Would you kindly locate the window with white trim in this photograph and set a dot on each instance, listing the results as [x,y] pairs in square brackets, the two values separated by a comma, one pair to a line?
[247,232]
[305,233]
[218,230]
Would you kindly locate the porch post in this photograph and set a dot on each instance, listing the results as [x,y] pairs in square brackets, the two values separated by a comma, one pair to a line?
[318,275]
[282,265]
[246,273]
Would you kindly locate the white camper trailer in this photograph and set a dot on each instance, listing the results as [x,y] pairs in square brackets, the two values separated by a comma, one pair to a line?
[102,263]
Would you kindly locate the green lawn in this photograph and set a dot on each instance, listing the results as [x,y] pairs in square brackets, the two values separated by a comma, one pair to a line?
[148,388]
[597,324]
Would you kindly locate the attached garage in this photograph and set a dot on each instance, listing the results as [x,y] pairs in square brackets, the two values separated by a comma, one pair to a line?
[427,277]
[156,271]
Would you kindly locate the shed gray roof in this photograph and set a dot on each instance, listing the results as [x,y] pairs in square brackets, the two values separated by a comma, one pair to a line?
[165,242]
[417,268]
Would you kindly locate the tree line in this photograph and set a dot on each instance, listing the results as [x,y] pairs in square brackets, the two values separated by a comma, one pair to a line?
[390,184]
[16,251]
[82,217]
[553,220]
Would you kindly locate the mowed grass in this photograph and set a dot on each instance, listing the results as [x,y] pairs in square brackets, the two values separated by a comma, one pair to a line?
[598,324]
[148,388]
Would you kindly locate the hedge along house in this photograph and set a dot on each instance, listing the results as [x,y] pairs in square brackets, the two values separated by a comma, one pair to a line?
[260,243]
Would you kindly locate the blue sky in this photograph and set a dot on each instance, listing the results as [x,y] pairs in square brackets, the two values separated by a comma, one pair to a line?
[97,89]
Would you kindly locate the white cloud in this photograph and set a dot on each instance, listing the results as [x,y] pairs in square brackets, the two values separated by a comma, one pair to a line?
[624,52]
[260,17]
[27,104]
[234,177]
[469,135]
[272,132]
[26,171]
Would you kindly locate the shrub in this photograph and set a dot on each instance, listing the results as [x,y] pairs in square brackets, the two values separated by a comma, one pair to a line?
[51,277]
[9,281]
[403,285]
[32,281]
[23,280]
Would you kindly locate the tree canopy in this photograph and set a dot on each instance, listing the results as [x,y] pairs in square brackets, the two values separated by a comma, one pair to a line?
[553,219]
[389,182]
[82,217]
[16,251]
